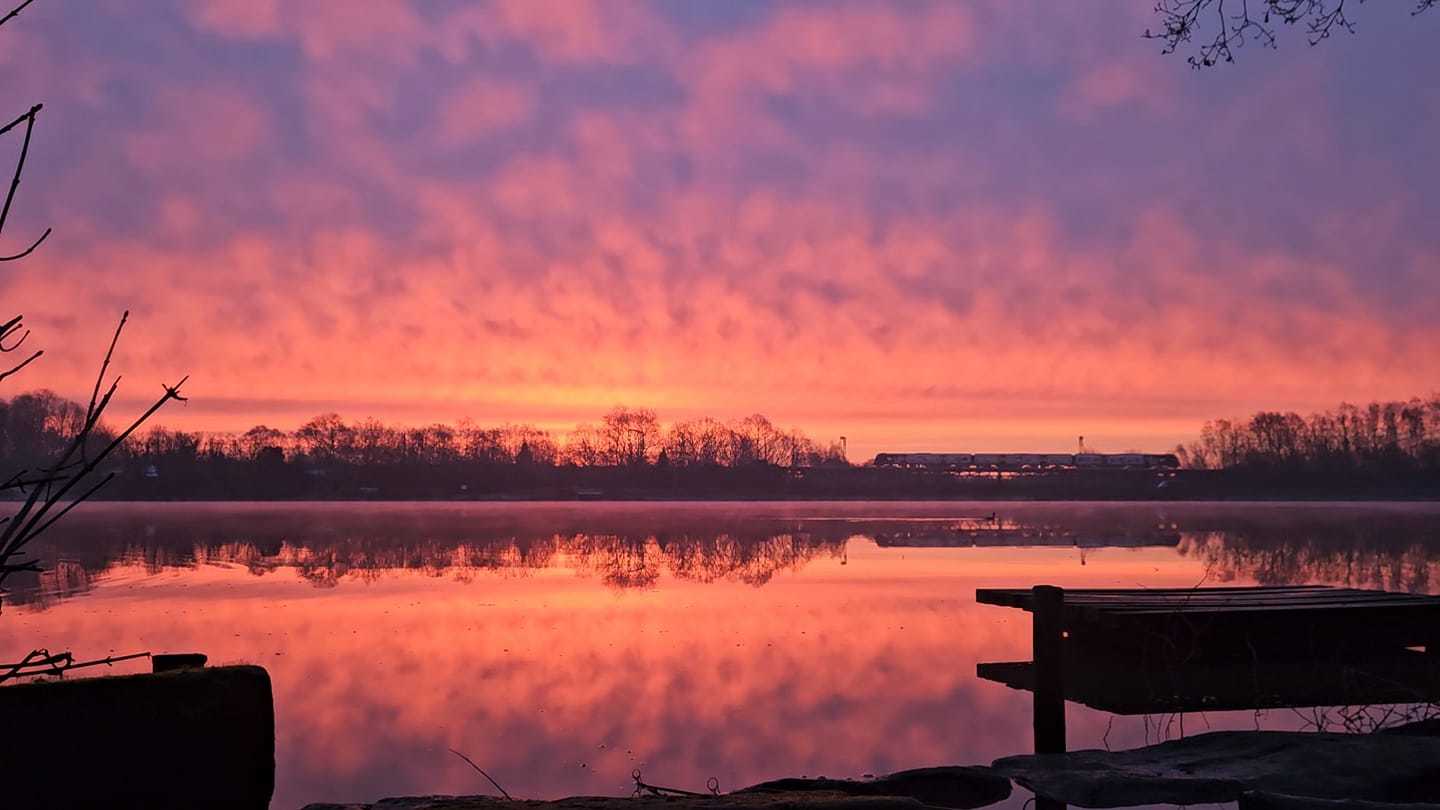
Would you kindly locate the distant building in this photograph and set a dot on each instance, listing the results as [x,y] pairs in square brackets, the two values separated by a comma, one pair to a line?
[987,462]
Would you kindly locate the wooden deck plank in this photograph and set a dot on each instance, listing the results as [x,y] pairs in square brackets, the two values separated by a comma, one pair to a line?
[1303,586]
[1021,597]
[1204,589]
[1405,607]
[1257,604]
[1302,593]
[1184,606]
[1218,622]
[1349,599]
[1209,600]
[1081,595]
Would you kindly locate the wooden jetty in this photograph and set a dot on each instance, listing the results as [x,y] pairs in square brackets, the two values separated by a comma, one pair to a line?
[1131,651]
[1144,651]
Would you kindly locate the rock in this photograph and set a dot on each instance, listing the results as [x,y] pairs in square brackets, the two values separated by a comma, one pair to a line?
[760,800]
[960,787]
[184,738]
[1419,728]
[1255,800]
[1220,766]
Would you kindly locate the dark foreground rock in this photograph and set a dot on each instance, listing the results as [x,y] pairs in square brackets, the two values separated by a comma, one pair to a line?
[1429,727]
[803,800]
[179,739]
[959,787]
[1280,801]
[1220,766]
[944,788]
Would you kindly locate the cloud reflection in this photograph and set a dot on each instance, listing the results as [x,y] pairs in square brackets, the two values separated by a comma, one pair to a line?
[515,633]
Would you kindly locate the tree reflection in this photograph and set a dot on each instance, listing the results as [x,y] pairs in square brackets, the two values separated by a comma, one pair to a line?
[1392,566]
[339,548]
[638,545]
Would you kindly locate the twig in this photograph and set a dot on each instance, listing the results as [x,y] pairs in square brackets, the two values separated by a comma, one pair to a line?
[27,251]
[15,12]
[482,772]
[1183,19]
[29,119]
[23,363]
[58,664]
[712,784]
[7,328]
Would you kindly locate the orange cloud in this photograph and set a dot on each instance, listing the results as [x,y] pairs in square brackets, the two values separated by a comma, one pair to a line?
[872,220]
[937,323]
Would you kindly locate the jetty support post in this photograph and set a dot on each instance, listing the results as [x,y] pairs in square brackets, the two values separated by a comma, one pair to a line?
[1045,646]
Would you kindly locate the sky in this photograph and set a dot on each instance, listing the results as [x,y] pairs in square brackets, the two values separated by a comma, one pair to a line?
[922,226]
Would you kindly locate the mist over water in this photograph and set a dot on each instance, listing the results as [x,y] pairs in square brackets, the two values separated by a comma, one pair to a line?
[561,646]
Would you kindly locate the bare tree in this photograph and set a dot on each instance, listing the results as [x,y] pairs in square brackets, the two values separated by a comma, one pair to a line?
[49,493]
[630,436]
[1239,21]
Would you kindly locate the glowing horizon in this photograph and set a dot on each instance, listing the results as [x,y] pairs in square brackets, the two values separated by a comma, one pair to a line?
[995,226]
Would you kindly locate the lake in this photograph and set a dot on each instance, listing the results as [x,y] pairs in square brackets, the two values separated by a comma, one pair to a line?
[563,645]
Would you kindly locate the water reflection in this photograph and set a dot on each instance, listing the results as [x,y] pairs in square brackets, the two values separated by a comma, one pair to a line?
[620,545]
[561,646]
[633,545]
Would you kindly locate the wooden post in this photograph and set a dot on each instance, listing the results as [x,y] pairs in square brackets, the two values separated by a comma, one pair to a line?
[1049,691]
[1049,711]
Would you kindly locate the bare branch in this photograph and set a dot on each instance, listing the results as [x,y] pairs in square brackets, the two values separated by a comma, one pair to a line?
[29,119]
[482,773]
[41,662]
[42,506]
[79,500]
[20,482]
[7,329]
[31,520]
[105,365]
[15,12]
[1184,20]
[27,361]
[27,251]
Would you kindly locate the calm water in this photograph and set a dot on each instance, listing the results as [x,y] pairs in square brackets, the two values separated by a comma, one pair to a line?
[561,646]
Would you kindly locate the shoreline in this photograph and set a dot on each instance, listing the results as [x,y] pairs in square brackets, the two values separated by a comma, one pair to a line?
[782,498]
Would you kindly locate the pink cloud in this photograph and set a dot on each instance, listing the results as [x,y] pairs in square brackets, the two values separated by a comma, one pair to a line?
[1119,84]
[561,32]
[238,18]
[207,124]
[385,30]
[481,107]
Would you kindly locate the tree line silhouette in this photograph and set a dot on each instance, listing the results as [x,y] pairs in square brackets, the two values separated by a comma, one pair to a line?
[1384,449]
[329,457]
[1396,438]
